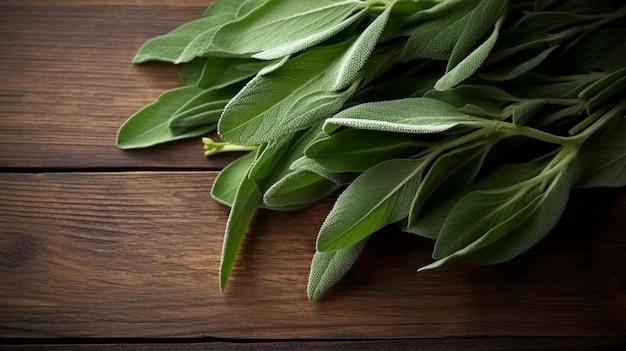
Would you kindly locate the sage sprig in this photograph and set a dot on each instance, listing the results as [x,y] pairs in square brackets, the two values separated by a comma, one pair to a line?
[463,121]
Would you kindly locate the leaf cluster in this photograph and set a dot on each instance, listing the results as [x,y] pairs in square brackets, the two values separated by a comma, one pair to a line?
[464,121]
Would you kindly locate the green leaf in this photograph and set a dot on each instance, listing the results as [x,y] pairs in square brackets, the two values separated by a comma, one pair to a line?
[327,268]
[412,115]
[247,200]
[230,177]
[506,222]
[487,14]
[171,47]
[437,30]
[346,69]
[204,109]
[298,188]
[449,174]
[306,164]
[219,72]
[471,63]
[429,223]
[355,150]
[150,125]
[368,204]
[509,71]
[291,98]
[191,73]
[601,161]
[278,28]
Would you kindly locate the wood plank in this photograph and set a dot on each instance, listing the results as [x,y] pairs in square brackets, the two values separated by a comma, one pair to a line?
[135,254]
[67,83]
[459,344]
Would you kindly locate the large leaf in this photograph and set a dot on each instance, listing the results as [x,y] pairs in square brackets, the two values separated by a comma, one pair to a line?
[380,196]
[412,115]
[280,28]
[291,98]
[171,47]
[502,224]
[150,125]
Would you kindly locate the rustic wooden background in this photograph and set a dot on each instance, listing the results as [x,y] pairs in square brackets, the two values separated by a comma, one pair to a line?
[100,246]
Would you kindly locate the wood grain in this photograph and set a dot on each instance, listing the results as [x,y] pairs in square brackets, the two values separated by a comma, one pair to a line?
[135,254]
[67,83]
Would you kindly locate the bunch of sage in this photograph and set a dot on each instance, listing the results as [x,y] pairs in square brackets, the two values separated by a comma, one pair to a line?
[464,121]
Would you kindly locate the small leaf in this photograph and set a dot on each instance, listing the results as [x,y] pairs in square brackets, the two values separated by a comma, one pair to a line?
[509,71]
[368,204]
[150,125]
[203,109]
[327,268]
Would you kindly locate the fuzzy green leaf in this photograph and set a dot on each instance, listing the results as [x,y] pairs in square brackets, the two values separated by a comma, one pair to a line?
[278,28]
[327,268]
[291,98]
[150,125]
[247,199]
[230,177]
[368,204]
[412,115]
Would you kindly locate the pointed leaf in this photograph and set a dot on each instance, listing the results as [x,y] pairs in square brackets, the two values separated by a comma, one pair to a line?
[150,125]
[230,177]
[412,115]
[327,268]
[369,204]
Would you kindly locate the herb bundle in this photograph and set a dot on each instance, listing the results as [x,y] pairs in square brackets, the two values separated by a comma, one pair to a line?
[464,121]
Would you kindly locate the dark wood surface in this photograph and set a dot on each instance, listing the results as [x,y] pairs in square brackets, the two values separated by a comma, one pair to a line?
[101,246]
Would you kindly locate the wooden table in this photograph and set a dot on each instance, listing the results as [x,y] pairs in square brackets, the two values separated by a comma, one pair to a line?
[107,249]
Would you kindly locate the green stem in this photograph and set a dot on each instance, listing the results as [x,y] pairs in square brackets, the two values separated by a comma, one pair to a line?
[596,121]
[212,147]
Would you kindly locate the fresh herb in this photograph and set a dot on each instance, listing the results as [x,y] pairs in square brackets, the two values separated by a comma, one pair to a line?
[464,121]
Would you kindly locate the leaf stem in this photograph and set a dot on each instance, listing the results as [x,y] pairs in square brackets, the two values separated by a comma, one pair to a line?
[596,120]
[212,147]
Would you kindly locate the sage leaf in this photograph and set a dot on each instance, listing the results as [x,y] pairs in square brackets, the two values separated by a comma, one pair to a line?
[277,29]
[173,46]
[327,268]
[368,204]
[355,150]
[230,177]
[601,161]
[247,200]
[291,98]
[150,125]
[471,63]
[449,174]
[514,222]
[411,115]
[299,188]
